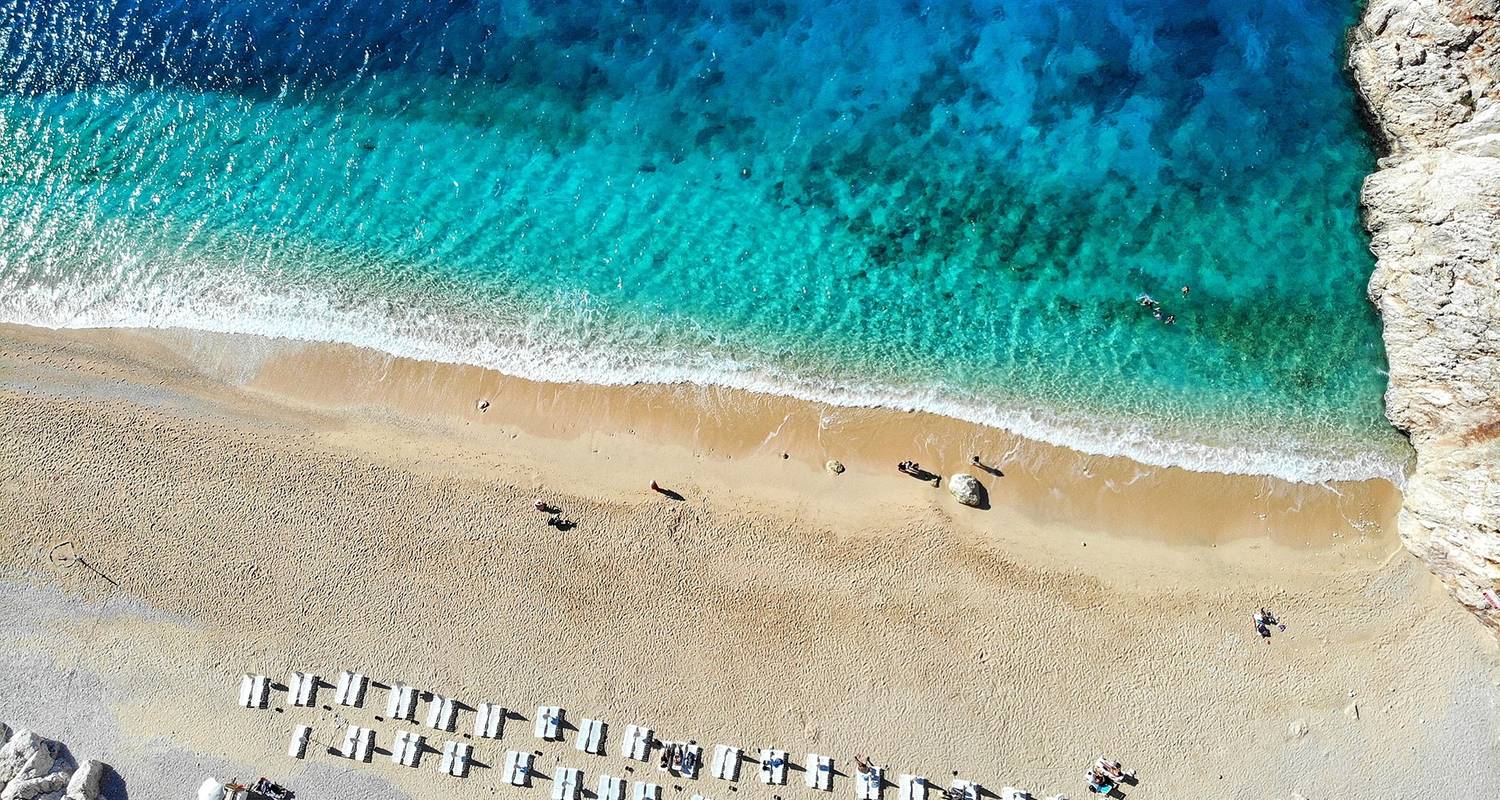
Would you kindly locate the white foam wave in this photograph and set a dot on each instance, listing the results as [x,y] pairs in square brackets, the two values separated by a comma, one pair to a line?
[560,345]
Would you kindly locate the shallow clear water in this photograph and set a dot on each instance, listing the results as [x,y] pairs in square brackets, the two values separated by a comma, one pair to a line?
[951,206]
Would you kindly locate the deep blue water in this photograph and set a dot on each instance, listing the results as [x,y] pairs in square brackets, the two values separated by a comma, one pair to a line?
[951,205]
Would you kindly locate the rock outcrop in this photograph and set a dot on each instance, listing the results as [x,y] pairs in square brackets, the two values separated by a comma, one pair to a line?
[1429,73]
[34,768]
[84,785]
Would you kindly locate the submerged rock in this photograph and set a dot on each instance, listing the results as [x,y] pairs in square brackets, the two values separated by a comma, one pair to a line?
[967,489]
[1426,69]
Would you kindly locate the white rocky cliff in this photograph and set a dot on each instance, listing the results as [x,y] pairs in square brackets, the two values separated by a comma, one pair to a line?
[1428,70]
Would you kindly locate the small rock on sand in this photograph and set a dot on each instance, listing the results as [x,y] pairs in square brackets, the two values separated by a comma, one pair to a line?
[967,489]
[835,466]
[1297,729]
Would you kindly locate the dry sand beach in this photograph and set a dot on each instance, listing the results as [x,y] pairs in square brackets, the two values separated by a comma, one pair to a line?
[257,506]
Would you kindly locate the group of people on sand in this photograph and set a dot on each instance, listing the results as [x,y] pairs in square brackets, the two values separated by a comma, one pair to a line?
[1147,301]
[554,515]
[1106,776]
[677,759]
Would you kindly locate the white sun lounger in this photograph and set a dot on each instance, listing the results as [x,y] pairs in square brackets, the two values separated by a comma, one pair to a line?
[726,764]
[913,787]
[590,737]
[549,723]
[402,702]
[255,691]
[442,713]
[611,788]
[455,759]
[819,772]
[692,759]
[518,768]
[637,742]
[568,785]
[701,797]
[646,791]
[969,789]
[406,750]
[358,743]
[1012,793]
[869,785]
[303,689]
[489,721]
[350,690]
[301,735]
[772,766]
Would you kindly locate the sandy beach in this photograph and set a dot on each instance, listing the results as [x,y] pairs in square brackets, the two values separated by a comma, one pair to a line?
[249,505]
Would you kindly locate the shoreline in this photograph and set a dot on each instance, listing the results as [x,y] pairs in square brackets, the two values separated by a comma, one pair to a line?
[530,358]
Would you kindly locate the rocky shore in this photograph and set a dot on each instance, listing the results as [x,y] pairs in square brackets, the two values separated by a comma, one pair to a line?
[1427,71]
[33,768]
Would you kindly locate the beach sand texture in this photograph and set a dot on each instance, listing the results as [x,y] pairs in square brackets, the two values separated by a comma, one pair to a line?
[254,506]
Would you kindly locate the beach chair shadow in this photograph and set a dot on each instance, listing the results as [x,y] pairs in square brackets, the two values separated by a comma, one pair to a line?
[985,793]
[475,763]
[671,494]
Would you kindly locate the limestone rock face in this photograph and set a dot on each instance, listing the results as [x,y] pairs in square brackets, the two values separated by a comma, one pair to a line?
[1429,72]
[85,782]
[25,756]
[31,769]
[967,489]
[32,788]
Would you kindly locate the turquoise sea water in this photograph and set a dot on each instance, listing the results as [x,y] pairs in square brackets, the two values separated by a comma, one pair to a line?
[951,206]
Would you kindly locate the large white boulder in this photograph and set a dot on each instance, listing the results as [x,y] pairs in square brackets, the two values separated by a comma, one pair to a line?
[967,489]
[85,782]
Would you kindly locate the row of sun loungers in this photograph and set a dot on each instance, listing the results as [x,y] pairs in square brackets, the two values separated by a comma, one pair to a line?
[407,748]
[637,743]
[255,691]
[455,758]
[301,735]
[351,689]
[591,737]
[489,720]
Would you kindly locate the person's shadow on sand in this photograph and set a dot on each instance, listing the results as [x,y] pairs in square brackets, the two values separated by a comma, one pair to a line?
[668,493]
